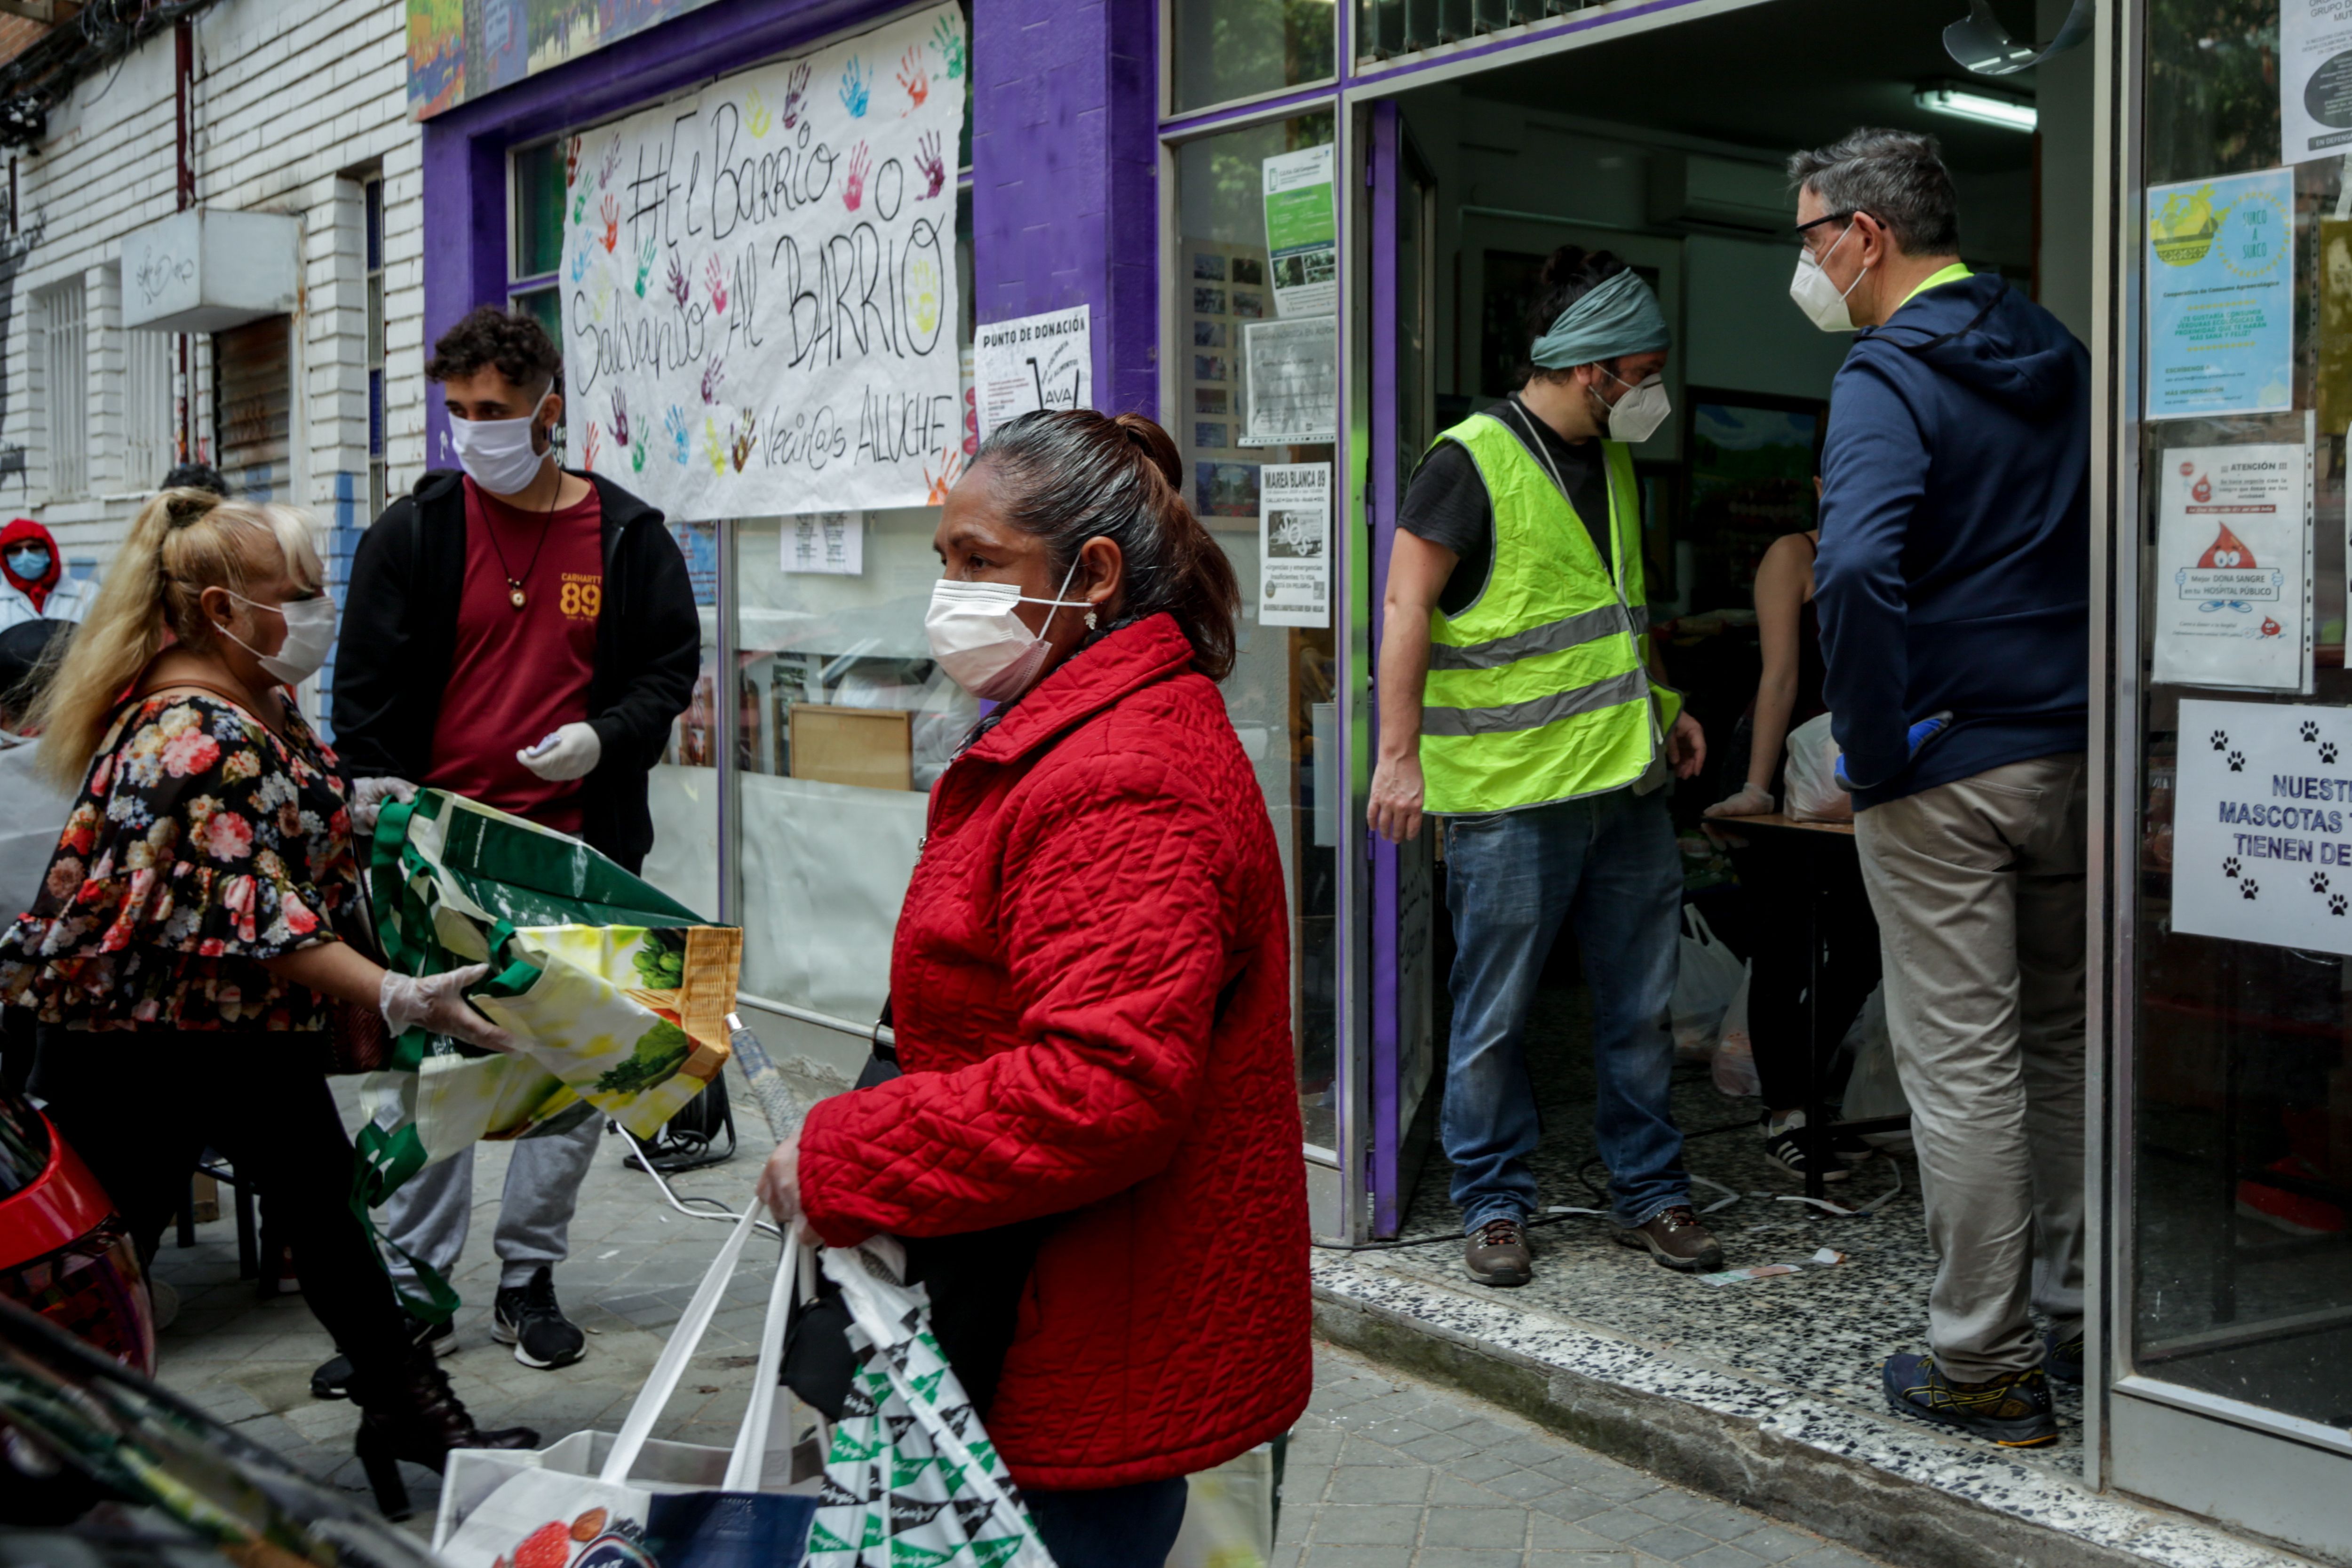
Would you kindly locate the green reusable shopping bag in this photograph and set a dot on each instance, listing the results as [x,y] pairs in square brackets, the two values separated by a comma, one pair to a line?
[617,993]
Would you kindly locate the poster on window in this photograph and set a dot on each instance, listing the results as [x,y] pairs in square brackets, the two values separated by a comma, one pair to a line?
[1302,232]
[2261,850]
[1293,382]
[1294,542]
[2314,78]
[2232,601]
[2221,296]
[759,284]
[1035,361]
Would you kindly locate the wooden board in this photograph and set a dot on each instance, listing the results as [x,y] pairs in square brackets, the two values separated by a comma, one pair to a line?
[870,747]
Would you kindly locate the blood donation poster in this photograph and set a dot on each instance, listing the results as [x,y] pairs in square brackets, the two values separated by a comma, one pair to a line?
[2232,600]
[759,284]
[2221,296]
[2263,825]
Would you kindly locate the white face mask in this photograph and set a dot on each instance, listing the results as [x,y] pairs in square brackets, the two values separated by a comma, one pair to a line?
[310,636]
[980,641]
[1818,296]
[497,454]
[1635,417]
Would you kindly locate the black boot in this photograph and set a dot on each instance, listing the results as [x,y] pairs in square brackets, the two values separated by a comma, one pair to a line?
[410,1414]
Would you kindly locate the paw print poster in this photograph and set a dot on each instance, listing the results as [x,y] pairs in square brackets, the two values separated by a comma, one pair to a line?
[2231,604]
[2263,825]
[760,303]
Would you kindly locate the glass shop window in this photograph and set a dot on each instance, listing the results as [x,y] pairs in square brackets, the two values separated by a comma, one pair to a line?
[2241,1145]
[1226,50]
[1256,285]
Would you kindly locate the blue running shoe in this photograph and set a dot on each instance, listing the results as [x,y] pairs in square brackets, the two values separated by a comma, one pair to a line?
[2014,1409]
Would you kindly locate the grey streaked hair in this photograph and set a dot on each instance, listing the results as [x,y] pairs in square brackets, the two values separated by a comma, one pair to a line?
[1896,176]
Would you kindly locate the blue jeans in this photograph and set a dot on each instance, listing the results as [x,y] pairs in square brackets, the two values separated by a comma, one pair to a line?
[1609,864]
[1116,1527]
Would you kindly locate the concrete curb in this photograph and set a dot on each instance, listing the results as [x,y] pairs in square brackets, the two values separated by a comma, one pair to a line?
[1835,1493]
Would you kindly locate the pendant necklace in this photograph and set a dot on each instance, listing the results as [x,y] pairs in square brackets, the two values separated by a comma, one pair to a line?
[514,583]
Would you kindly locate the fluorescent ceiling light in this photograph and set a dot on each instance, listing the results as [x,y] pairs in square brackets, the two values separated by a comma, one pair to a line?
[1977,106]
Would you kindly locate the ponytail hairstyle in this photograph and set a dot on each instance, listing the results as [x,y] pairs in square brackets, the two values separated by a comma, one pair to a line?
[1067,477]
[183,541]
[1569,274]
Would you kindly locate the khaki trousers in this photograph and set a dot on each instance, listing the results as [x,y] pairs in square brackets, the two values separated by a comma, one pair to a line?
[1979,889]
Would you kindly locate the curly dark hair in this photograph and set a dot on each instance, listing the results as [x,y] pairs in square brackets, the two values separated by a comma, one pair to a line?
[510,341]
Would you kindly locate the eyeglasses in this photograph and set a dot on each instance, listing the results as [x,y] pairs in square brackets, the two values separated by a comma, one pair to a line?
[1830,217]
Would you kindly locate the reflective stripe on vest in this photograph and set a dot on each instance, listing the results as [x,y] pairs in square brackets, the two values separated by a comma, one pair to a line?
[1537,690]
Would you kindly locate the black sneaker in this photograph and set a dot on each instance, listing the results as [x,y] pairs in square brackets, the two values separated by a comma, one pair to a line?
[1786,1149]
[528,1319]
[2014,1409]
[333,1378]
[2062,1359]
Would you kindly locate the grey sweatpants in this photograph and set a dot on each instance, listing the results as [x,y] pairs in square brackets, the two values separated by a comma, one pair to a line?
[428,1215]
[1979,889]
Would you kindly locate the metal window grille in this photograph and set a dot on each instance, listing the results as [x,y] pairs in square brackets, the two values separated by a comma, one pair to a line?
[65,383]
[146,409]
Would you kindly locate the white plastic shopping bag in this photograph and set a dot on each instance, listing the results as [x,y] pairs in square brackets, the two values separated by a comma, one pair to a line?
[1814,794]
[1734,1070]
[1229,1514]
[599,1500]
[1705,984]
[911,1477]
[1872,1090]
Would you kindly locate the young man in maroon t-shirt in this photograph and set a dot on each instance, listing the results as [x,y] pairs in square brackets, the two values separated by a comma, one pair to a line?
[525,636]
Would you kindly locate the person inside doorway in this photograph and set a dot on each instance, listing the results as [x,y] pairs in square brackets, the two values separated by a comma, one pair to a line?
[1786,1033]
[523,636]
[33,582]
[1516,706]
[1954,590]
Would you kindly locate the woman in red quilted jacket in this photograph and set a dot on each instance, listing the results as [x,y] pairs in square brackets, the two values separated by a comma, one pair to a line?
[1091,992]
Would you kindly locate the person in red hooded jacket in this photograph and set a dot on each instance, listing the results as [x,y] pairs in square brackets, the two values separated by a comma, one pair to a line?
[33,582]
[1090,988]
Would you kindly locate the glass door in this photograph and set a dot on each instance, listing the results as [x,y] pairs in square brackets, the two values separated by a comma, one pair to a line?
[1404,201]
[2230,1278]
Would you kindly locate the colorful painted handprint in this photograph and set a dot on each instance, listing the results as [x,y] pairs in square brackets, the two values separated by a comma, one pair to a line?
[854,92]
[913,78]
[930,164]
[796,95]
[948,39]
[715,279]
[853,191]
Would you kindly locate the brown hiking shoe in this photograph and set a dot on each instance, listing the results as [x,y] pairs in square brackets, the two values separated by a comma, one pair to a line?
[1677,1239]
[1498,1253]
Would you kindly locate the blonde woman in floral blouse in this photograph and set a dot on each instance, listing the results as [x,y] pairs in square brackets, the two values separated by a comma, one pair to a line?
[189,941]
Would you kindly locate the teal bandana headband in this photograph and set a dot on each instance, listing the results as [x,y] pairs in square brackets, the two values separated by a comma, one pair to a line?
[1619,317]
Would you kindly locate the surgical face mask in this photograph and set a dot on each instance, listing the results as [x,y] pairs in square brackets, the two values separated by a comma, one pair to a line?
[497,454]
[309,635]
[1818,296]
[980,641]
[1635,417]
[32,564]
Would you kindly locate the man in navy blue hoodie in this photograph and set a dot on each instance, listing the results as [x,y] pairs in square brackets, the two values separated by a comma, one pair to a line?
[1953,587]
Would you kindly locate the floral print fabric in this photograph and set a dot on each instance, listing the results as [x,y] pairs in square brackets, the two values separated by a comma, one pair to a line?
[200,844]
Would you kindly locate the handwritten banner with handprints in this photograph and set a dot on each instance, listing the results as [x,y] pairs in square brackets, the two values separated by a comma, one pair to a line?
[759,284]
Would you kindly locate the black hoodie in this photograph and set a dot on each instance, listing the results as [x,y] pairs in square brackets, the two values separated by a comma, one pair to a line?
[1955,560]
[400,631]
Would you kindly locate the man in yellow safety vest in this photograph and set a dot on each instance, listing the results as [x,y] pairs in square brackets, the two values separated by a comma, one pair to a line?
[1516,705]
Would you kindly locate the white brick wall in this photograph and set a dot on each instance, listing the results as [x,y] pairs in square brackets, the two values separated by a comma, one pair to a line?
[289,102]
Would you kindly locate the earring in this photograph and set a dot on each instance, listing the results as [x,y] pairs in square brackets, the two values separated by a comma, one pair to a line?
[1090,620]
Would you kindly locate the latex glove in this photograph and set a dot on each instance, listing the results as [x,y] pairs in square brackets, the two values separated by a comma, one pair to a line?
[368,796]
[1753,800]
[438,1002]
[571,752]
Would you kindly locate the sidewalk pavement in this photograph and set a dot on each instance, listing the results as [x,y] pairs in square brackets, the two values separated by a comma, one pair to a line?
[1387,1472]
[1383,1472]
